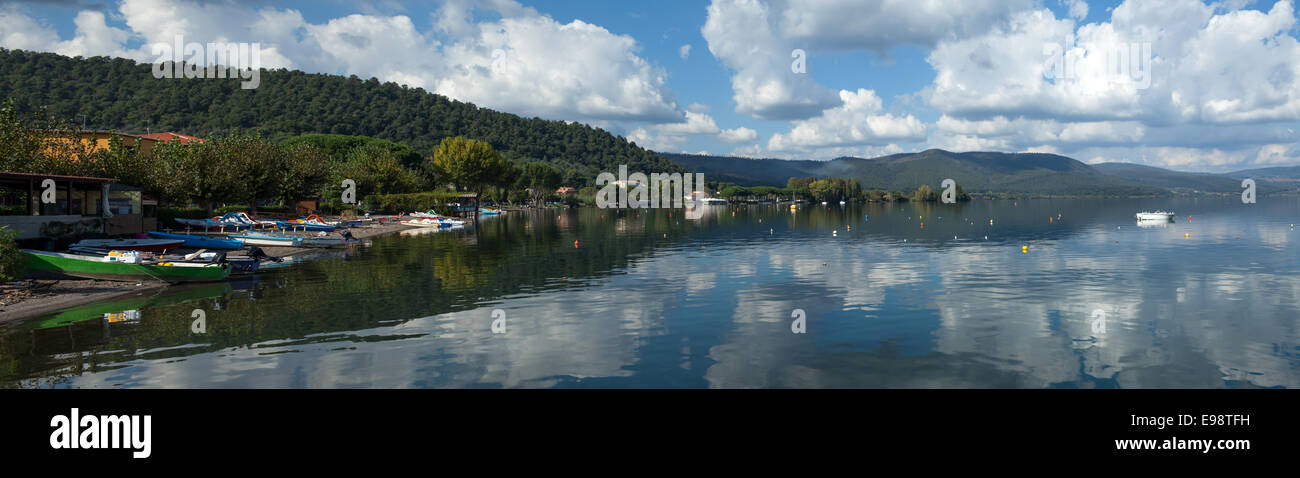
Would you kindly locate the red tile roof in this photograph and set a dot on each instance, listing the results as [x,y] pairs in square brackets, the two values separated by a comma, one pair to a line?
[169,137]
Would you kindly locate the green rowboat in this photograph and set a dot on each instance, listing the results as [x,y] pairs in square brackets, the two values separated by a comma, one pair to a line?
[94,267]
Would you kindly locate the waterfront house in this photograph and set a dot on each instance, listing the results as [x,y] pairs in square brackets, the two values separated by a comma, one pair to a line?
[80,205]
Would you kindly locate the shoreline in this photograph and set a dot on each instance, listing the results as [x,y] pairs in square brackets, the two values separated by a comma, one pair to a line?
[42,297]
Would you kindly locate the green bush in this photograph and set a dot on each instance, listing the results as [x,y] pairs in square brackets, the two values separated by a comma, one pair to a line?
[12,263]
[412,202]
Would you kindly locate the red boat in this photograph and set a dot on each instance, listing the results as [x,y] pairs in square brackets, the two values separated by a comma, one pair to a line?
[147,245]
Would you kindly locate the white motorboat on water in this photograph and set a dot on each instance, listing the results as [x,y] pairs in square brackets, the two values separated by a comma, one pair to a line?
[1155,216]
[714,202]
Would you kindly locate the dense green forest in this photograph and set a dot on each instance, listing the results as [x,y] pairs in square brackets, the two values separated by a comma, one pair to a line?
[119,94]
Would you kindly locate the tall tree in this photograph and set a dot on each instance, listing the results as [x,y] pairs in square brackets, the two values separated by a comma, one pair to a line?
[468,163]
[541,179]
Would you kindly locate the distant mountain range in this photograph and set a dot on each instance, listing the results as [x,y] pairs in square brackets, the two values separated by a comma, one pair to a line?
[1028,174]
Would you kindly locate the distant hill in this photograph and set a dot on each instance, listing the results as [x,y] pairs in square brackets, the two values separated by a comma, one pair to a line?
[745,171]
[1173,180]
[1281,179]
[976,172]
[119,94]
[1272,174]
[1268,180]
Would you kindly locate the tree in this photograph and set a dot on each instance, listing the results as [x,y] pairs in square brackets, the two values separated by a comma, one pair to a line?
[924,193]
[256,165]
[375,171]
[541,179]
[130,165]
[468,163]
[305,170]
[506,174]
[200,172]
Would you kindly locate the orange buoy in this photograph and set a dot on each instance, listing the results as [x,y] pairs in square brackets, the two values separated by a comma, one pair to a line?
[575,243]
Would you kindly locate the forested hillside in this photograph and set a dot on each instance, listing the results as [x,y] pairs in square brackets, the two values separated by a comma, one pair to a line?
[118,94]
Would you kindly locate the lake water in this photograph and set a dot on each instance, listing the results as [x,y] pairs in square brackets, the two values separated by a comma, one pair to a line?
[649,299]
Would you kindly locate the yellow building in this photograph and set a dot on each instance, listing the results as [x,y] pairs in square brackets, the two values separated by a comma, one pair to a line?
[88,142]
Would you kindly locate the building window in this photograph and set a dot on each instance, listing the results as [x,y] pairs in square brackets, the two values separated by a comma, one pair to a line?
[90,206]
[124,202]
[13,198]
[60,205]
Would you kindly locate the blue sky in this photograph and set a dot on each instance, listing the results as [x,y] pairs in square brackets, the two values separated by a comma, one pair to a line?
[881,77]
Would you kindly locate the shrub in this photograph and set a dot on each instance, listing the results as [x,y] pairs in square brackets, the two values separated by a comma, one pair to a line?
[12,263]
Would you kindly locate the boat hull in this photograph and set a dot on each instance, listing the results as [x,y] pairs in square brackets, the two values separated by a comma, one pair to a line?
[199,242]
[148,245]
[91,267]
[269,241]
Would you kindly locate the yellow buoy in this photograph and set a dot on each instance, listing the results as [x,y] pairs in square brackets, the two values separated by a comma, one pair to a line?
[1024,249]
[1186,236]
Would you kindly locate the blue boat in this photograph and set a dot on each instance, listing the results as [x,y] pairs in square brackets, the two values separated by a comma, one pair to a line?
[304,226]
[199,242]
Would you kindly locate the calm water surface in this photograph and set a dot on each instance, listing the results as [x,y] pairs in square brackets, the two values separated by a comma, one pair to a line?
[649,299]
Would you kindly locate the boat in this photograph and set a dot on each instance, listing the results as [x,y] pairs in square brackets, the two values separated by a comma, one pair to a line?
[430,214]
[425,222]
[714,202]
[124,266]
[299,224]
[147,245]
[228,221]
[302,226]
[1155,216]
[199,242]
[490,212]
[267,240]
